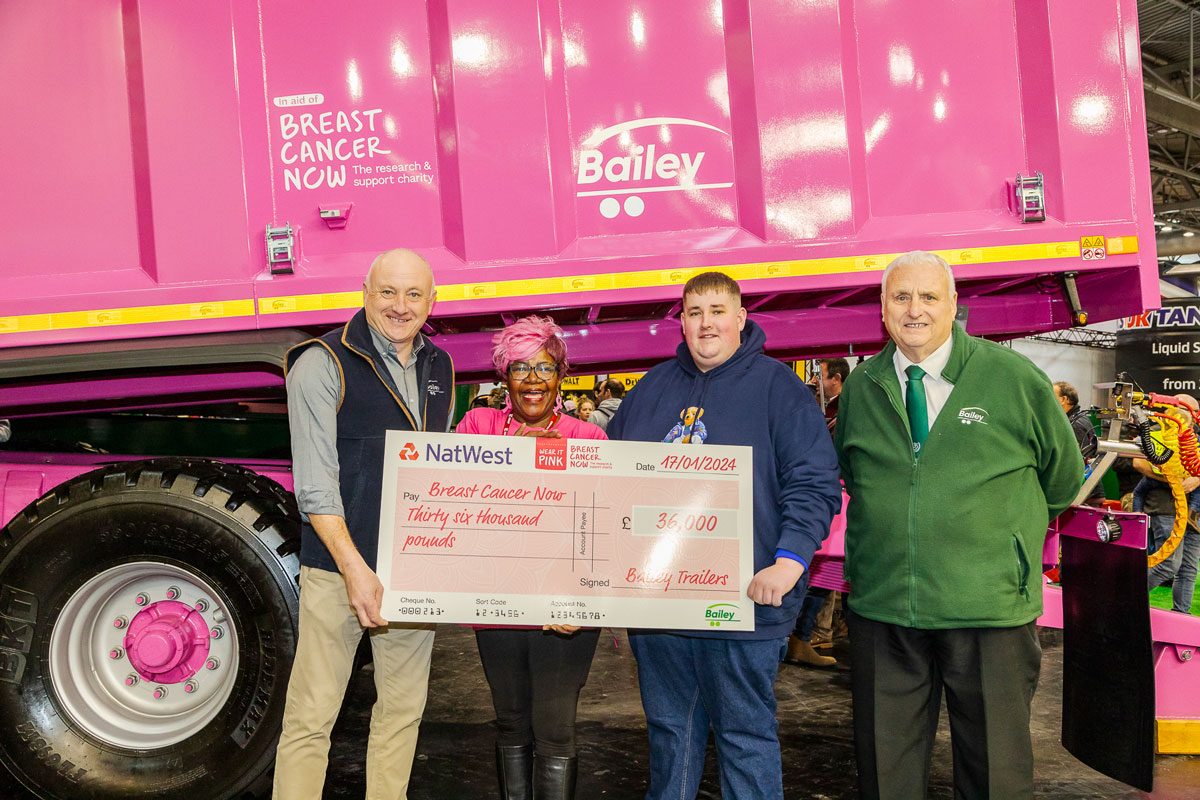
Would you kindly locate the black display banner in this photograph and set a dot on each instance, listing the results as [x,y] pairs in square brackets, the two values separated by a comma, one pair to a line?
[1160,350]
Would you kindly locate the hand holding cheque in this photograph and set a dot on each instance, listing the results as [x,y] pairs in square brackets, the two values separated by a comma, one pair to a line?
[579,532]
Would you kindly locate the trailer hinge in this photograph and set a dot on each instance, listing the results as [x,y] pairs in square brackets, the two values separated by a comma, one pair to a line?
[1031,197]
[281,249]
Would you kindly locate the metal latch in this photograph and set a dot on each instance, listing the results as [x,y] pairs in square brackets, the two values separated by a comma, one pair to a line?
[281,249]
[336,215]
[1031,197]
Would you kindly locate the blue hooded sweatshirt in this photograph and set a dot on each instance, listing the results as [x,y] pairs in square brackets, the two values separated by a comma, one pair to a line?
[754,400]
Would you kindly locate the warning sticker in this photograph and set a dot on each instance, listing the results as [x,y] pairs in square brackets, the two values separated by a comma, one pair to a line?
[1092,248]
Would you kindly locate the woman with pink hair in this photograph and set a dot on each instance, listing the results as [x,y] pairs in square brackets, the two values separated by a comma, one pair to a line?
[535,674]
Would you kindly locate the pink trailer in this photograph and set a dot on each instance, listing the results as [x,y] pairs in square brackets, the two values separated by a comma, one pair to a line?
[189,189]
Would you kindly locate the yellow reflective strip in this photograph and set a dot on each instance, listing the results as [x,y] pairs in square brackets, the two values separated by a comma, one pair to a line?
[310,302]
[135,315]
[1122,244]
[598,282]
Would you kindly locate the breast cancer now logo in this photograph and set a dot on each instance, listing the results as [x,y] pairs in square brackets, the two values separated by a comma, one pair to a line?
[408,452]
[614,162]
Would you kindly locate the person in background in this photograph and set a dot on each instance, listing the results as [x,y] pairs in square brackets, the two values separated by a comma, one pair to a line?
[585,408]
[482,401]
[692,681]
[956,457]
[535,674]
[1153,496]
[608,400]
[801,647]
[1081,426]
[345,391]
[833,374]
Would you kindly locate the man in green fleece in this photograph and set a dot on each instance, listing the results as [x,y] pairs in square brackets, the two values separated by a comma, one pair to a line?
[956,456]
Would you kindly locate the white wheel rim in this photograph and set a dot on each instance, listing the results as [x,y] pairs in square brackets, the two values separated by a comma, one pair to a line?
[108,690]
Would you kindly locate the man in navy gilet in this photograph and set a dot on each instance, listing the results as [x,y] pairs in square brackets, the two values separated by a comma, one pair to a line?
[345,390]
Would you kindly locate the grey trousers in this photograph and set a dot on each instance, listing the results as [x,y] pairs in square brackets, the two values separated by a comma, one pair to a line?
[897,677]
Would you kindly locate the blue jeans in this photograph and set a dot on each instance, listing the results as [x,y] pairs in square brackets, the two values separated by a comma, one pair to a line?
[809,609]
[690,684]
[1180,565]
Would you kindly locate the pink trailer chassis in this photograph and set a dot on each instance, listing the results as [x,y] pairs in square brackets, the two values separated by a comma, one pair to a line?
[188,190]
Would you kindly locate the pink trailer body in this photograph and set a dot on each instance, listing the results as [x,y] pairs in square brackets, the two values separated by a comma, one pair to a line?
[190,189]
[565,156]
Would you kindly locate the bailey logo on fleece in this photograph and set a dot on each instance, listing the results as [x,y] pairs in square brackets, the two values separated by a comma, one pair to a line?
[973,415]
[689,429]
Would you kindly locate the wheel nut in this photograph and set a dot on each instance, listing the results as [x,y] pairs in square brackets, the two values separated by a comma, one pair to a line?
[115,653]
[201,606]
[190,687]
[120,622]
[173,592]
[131,680]
[142,599]
[212,663]
[160,692]
[217,633]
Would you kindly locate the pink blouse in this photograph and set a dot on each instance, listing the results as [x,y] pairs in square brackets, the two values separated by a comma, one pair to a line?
[491,422]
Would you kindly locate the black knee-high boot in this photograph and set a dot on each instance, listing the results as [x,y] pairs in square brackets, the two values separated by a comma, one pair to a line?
[554,777]
[514,766]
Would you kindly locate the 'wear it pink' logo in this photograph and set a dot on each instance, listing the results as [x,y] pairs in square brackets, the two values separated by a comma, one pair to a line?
[550,454]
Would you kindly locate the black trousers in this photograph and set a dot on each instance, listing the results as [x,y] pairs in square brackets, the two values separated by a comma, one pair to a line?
[897,677]
[535,677]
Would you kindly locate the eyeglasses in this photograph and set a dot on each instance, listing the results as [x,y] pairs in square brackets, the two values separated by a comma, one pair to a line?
[544,370]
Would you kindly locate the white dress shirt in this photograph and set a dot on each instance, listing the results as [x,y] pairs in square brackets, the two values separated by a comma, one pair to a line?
[937,388]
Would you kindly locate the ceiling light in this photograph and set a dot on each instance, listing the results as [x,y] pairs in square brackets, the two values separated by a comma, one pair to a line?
[1189,233]
[1167,229]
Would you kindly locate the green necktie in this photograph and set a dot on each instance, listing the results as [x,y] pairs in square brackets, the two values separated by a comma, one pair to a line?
[918,411]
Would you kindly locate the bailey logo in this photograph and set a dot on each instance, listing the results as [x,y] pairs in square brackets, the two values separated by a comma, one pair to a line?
[409,453]
[672,162]
[721,612]
[973,415]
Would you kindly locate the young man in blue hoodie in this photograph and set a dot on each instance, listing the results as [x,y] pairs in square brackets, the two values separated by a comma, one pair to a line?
[721,388]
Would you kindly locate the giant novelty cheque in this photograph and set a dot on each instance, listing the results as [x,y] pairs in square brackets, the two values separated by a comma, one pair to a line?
[535,531]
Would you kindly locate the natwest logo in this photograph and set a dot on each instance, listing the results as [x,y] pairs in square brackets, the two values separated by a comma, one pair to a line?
[646,156]
[550,454]
[468,454]
[409,452]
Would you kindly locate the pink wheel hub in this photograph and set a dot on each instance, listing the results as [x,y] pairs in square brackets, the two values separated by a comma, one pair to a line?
[167,642]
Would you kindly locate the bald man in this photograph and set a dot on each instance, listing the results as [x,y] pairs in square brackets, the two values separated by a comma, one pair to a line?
[345,391]
[1153,496]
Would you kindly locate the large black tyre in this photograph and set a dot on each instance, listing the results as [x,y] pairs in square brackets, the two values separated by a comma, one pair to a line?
[84,563]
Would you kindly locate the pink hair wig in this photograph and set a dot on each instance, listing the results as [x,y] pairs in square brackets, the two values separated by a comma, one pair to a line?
[523,339]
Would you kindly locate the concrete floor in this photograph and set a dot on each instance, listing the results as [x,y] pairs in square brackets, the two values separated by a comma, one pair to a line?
[455,762]
[454,756]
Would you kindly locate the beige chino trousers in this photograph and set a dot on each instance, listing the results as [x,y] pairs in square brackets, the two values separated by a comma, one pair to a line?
[329,636]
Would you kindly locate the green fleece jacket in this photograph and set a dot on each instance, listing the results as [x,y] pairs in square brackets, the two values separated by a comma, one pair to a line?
[953,539]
